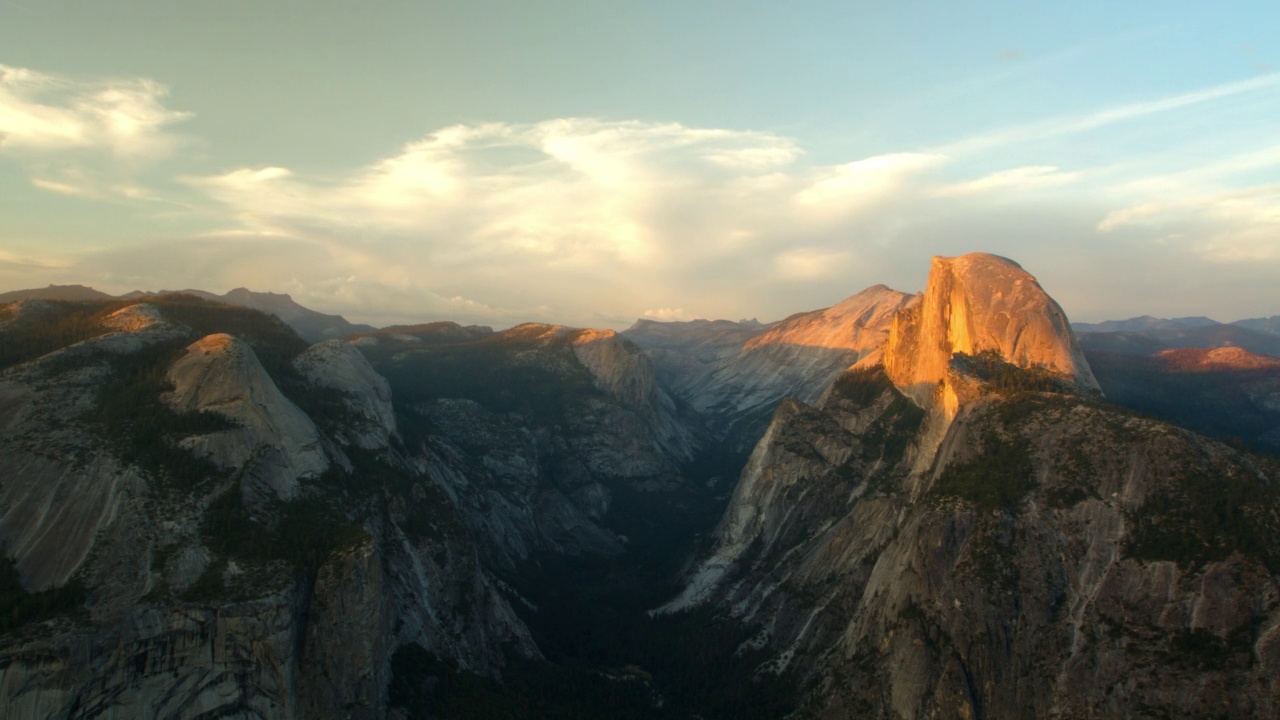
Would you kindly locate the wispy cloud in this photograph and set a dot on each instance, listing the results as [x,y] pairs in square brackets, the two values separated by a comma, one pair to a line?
[1014,180]
[1232,226]
[577,205]
[1074,124]
[596,222]
[42,112]
[548,217]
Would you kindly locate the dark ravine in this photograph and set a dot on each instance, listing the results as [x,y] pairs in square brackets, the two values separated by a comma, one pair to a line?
[205,515]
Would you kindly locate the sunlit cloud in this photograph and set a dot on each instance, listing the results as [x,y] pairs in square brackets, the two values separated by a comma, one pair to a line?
[1241,225]
[42,112]
[666,314]
[577,204]
[1015,180]
[559,214]
[597,222]
[810,264]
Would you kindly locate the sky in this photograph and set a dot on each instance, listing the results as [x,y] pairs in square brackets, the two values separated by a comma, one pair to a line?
[591,163]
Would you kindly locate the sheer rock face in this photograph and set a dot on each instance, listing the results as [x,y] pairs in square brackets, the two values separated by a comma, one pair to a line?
[337,365]
[973,303]
[917,546]
[64,491]
[276,641]
[1074,597]
[623,371]
[221,374]
[735,373]
[859,323]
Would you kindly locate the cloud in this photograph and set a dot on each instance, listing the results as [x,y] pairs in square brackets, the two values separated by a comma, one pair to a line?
[666,314]
[46,112]
[1016,179]
[849,187]
[810,264]
[595,222]
[1075,124]
[1234,226]
[570,209]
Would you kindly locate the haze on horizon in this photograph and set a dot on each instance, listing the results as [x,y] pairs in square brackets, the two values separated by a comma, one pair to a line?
[498,162]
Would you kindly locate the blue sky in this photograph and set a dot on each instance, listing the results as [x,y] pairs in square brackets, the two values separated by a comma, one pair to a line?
[590,163]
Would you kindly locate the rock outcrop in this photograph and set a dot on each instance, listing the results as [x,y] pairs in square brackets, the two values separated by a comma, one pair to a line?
[974,303]
[336,365]
[624,372]
[168,587]
[929,540]
[220,374]
[735,373]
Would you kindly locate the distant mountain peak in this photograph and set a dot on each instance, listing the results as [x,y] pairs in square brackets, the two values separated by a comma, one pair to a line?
[858,323]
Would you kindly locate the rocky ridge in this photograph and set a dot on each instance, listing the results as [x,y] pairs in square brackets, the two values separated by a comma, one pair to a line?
[537,432]
[735,373]
[958,525]
[200,596]
[966,529]
[220,374]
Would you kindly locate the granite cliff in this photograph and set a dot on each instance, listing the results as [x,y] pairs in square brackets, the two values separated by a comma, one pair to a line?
[734,374]
[966,529]
[203,515]
[186,541]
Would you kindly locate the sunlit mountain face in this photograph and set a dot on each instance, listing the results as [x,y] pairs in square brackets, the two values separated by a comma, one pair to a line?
[564,360]
[707,518]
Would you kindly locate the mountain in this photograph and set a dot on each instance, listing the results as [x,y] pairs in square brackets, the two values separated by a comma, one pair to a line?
[54,292]
[205,515]
[966,529]
[1228,393]
[1266,325]
[1120,343]
[427,333]
[1197,332]
[735,373]
[312,326]
[973,304]
[202,516]
[1145,323]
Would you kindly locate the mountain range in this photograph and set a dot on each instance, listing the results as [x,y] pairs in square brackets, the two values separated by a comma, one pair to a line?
[310,325]
[923,505]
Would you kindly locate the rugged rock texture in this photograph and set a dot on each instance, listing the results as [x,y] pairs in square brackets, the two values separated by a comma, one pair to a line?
[194,603]
[624,372]
[1058,560]
[538,433]
[220,374]
[1003,552]
[974,303]
[335,365]
[735,373]
[63,488]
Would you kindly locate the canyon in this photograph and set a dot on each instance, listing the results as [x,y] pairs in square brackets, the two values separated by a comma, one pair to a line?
[901,506]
